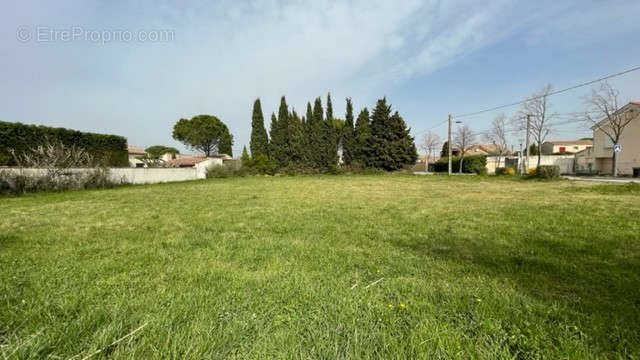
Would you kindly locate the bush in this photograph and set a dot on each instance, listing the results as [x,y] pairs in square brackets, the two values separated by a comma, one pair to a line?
[505,171]
[472,164]
[107,150]
[224,171]
[548,172]
[262,164]
[18,183]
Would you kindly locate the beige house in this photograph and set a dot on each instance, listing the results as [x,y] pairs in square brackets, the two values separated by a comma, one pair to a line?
[565,146]
[600,158]
[134,152]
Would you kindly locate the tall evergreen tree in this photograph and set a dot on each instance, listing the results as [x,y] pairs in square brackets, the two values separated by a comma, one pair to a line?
[329,108]
[273,135]
[379,152]
[445,150]
[245,158]
[348,138]
[317,141]
[259,143]
[362,134]
[297,140]
[403,146]
[280,139]
[391,146]
[330,137]
[308,129]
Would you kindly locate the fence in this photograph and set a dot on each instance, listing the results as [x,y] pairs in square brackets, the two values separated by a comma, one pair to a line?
[565,162]
[141,175]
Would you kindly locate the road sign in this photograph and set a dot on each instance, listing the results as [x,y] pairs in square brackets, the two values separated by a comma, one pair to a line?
[617,147]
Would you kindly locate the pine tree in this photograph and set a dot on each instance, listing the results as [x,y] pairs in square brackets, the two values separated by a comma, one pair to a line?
[445,150]
[348,140]
[379,153]
[362,132]
[259,143]
[403,147]
[391,146]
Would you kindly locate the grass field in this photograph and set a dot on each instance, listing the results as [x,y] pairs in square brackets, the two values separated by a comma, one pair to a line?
[327,267]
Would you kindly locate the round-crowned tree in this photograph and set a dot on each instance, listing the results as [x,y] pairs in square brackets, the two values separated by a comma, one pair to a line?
[204,133]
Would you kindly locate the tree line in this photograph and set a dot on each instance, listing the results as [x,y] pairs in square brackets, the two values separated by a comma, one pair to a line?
[313,141]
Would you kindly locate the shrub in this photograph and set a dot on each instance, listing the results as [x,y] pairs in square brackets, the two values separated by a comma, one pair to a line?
[224,171]
[471,164]
[18,183]
[505,171]
[107,150]
[262,164]
[548,172]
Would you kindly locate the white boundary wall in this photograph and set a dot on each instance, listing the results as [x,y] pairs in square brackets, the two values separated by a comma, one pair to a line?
[142,175]
[565,162]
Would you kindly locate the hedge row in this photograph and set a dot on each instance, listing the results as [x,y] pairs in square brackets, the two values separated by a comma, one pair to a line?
[108,150]
[471,164]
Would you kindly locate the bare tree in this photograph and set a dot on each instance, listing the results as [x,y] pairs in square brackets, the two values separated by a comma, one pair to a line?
[604,114]
[430,144]
[536,109]
[497,136]
[463,140]
[54,157]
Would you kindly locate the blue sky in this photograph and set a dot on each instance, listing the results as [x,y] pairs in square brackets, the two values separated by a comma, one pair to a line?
[429,58]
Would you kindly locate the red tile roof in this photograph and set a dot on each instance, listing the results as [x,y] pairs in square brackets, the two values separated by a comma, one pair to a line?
[135,150]
[186,161]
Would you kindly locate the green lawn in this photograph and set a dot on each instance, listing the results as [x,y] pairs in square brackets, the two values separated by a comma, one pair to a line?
[330,267]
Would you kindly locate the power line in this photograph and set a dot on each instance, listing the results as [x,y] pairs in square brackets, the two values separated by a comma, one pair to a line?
[550,94]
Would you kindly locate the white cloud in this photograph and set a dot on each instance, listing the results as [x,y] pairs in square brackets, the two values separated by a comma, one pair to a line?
[228,53]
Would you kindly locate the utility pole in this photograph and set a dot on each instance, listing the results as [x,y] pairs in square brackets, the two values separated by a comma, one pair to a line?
[527,143]
[520,163]
[449,144]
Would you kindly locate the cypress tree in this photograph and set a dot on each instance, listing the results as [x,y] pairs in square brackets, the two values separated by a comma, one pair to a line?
[280,141]
[403,147]
[380,153]
[390,145]
[296,139]
[308,128]
[348,140]
[259,143]
[445,150]
[273,135]
[330,137]
[318,139]
[245,158]
[362,132]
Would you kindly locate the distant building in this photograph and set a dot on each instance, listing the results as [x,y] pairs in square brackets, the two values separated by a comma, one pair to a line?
[565,146]
[134,153]
[601,157]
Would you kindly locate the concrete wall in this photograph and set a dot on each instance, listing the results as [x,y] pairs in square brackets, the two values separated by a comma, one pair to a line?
[565,162]
[142,175]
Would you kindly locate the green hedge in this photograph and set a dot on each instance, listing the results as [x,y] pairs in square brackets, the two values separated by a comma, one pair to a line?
[108,150]
[471,164]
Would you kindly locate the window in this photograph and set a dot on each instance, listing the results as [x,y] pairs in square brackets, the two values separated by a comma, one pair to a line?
[563,149]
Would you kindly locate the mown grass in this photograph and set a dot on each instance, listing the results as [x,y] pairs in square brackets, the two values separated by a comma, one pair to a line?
[290,267]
